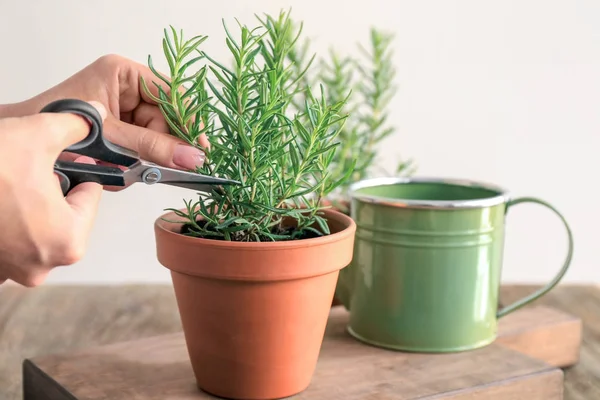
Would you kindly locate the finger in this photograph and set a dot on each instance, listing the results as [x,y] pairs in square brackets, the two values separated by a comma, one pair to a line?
[154,119]
[131,91]
[109,188]
[84,199]
[203,141]
[149,116]
[31,276]
[151,80]
[114,188]
[133,95]
[67,156]
[145,74]
[133,99]
[61,130]
[156,147]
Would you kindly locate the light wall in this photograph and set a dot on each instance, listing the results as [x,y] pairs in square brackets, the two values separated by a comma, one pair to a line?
[506,92]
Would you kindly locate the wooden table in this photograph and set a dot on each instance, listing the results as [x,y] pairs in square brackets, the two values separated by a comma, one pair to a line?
[51,319]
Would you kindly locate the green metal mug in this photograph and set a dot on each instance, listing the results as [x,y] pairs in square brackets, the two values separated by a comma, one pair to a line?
[427,263]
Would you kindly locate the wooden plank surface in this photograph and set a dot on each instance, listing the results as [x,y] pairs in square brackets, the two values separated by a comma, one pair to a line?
[157,368]
[543,333]
[582,381]
[53,319]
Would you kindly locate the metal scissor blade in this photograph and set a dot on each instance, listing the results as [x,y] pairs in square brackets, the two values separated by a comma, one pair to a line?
[150,173]
[198,187]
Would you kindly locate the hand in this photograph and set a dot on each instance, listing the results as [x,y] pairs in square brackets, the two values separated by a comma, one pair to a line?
[42,229]
[134,121]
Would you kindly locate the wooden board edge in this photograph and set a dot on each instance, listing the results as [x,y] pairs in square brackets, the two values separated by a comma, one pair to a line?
[37,385]
[103,348]
[561,346]
[35,378]
[559,315]
[524,387]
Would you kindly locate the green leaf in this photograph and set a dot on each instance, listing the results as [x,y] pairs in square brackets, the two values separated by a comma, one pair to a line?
[230,221]
[169,55]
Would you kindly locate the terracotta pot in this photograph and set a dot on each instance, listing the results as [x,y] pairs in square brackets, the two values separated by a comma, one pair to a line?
[254,314]
[346,206]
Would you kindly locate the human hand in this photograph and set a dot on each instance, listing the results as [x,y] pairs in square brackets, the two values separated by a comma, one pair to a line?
[134,121]
[42,229]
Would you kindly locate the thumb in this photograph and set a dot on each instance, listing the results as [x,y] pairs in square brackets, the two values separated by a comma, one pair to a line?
[62,130]
[84,199]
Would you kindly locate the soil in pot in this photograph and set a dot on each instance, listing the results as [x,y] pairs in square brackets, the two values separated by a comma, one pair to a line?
[286,231]
[254,314]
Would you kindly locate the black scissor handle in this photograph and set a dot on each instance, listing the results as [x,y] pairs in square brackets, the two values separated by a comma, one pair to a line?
[93,145]
[65,182]
[84,109]
[71,174]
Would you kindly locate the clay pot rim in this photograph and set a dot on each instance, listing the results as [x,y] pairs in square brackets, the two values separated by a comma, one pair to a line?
[173,229]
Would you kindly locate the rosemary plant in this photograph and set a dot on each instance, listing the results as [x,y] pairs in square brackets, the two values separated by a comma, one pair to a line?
[281,155]
[371,77]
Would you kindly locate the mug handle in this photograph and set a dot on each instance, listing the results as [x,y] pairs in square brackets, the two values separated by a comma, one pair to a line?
[526,300]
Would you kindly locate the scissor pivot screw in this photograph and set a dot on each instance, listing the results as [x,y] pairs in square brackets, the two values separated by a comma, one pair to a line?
[151,176]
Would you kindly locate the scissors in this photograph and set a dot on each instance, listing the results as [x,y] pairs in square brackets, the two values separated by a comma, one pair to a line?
[71,174]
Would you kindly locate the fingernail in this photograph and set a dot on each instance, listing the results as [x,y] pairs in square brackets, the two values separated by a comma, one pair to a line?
[188,157]
[85,160]
[100,107]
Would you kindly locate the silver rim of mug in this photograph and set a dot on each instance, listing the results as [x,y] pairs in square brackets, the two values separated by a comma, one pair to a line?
[502,195]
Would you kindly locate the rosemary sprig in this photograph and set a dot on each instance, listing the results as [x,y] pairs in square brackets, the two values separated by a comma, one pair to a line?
[372,80]
[376,84]
[282,158]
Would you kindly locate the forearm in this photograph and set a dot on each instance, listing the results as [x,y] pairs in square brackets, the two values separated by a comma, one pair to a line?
[5,110]
[20,109]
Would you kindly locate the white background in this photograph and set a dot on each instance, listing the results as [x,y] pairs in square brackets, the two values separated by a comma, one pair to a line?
[506,92]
